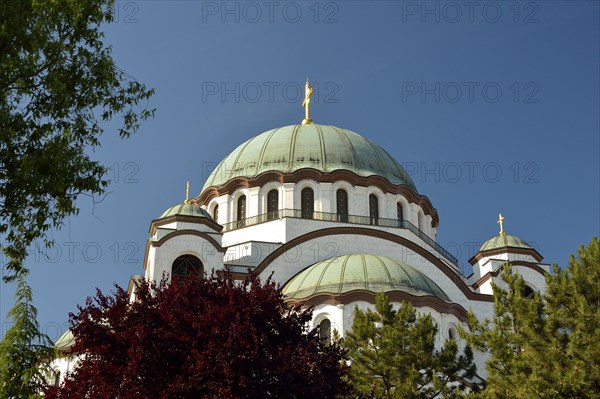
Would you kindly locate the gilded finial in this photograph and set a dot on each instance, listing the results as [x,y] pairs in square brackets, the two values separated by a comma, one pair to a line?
[500,222]
[308,92]
[187,193]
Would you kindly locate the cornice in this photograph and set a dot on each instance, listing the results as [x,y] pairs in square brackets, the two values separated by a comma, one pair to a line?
[394,296]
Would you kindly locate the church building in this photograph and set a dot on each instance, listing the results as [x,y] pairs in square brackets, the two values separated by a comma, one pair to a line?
[334,219]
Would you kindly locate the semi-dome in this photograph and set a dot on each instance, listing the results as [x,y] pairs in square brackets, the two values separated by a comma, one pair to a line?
[504,241]
[373,273]
[322,147]
[186,210]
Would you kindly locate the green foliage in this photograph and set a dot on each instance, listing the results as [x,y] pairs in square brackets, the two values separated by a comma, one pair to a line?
[393,355]
[25,353]
[58,87]
[546,346]
[573,324]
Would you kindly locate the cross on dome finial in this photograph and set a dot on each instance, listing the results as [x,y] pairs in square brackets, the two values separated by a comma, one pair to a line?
[187,192]
[308,92]
[500,222]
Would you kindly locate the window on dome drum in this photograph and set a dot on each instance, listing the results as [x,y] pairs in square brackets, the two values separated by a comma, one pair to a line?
[342,205]
[185,265]
[373,209]
[400,213]
[307,203]
[273,205]
[325,331]
[216,213]
[241,211]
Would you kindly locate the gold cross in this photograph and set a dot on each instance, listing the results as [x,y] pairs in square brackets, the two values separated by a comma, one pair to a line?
[187,193]
[500,220]
[308,92]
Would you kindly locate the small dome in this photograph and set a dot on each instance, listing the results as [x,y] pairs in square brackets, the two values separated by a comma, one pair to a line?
[325,148]
[65,342]
[361,272]
[503,242]
[186,210]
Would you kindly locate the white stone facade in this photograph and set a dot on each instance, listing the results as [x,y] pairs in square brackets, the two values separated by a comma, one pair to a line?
[283,247]
[284,243]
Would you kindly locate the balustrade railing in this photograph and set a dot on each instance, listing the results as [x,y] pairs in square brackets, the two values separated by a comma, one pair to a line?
[334,217]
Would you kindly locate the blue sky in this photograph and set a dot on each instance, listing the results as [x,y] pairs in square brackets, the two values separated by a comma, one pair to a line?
[491,107]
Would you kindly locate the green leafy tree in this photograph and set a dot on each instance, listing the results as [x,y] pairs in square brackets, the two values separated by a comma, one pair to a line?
[59,86]
[546,346]
[393,355]
[25,353]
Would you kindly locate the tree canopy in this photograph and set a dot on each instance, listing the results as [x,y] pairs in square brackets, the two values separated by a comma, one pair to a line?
[25,353]
[546,346]
[59,85]
[196,338]
[393,355]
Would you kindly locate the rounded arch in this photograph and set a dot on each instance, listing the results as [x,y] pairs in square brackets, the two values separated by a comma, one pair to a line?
[452,331]
[264,192]
[273,204]
[418,249]
[406,209]
[376,191]
[307,203]
[400,213]
[307,183]
[374,212]
[185,265]
[233,204]
[342,204]
[350,189]
[241,209]
[214,209]
[325,331]
[319,316]
[324,323]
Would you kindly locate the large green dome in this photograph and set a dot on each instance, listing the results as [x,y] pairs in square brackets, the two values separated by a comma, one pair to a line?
[373,273]
[325,148]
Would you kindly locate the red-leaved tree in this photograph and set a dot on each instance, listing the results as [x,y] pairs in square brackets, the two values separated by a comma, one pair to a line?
[199,338]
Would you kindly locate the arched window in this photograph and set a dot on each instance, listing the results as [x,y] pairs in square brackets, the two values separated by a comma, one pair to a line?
[529,293]
[216,213]
[56,378]
[341,197]
[400,213]
[325,331]
[185,265]
[272,205]
[452,334]
[307,203]
[373,209]
[241,211]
